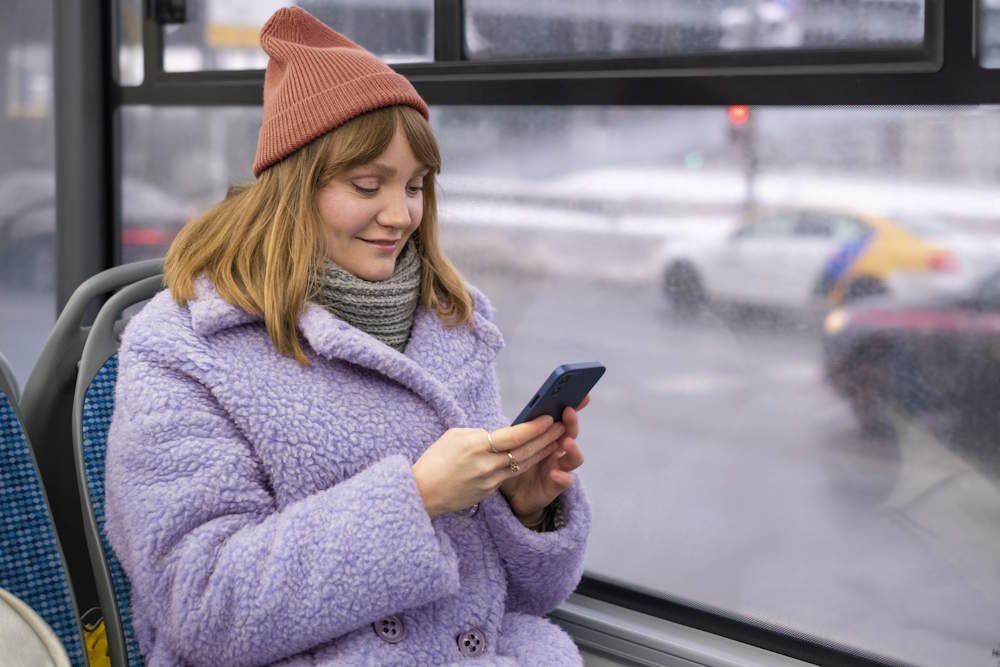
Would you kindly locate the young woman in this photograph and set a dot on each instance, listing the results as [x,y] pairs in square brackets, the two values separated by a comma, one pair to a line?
[307,463]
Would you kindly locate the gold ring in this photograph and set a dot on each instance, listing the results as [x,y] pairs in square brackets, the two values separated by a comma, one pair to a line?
[513,464]
[489,439]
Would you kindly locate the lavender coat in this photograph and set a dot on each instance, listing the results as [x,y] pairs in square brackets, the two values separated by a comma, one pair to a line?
[266,512]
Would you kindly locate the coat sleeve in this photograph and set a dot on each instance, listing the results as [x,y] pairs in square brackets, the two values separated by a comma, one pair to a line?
[222,574]
[542,568]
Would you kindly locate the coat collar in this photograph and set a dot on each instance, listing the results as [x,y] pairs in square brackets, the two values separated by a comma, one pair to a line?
[438,363]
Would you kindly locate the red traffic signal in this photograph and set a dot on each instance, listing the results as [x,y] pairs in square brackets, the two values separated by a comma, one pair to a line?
[739,114]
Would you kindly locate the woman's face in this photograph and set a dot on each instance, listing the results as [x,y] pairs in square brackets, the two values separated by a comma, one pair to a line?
[369,212]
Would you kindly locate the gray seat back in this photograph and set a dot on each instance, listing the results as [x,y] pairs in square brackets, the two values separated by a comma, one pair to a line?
[46,407]
[92,409]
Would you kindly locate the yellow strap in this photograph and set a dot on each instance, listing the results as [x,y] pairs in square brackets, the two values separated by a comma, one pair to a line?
[96,639]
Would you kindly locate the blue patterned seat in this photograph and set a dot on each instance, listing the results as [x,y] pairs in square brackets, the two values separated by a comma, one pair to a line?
[98,405]
[31,561]
[93,406]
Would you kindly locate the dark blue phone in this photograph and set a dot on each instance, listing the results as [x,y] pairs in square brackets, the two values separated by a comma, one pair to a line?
[567,386]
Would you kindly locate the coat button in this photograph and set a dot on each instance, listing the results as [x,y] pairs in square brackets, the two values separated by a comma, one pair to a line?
[472,643]
[390,629]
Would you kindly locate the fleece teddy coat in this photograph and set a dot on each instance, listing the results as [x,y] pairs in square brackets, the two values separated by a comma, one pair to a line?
[266,512]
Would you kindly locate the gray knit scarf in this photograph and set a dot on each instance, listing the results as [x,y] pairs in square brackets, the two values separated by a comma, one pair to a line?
[383,309]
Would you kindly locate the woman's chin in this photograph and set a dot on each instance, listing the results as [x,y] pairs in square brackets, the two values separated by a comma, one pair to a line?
[376,273]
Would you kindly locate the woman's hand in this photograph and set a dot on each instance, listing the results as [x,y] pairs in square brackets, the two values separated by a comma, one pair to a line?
[460,469]
[531,491]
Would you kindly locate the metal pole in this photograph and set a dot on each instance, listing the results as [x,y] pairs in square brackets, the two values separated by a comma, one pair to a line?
[83,149]
[749,137]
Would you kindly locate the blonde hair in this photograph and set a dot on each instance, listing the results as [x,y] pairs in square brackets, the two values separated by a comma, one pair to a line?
[263,248]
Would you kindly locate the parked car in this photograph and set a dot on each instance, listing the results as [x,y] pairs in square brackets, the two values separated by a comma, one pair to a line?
[150,220]
[799,258]
[938,354]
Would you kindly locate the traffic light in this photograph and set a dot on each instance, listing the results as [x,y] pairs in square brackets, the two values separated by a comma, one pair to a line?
[739,115]
[739,122]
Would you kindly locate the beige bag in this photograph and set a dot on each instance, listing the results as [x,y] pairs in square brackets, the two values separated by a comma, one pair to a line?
[26,639]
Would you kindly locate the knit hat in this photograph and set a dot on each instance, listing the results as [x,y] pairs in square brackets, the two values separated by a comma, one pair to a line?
[316,80]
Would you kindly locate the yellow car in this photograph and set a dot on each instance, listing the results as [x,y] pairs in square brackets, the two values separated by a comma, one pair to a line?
[875,259]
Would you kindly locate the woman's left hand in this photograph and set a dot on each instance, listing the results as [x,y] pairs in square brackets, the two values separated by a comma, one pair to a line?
[533,490]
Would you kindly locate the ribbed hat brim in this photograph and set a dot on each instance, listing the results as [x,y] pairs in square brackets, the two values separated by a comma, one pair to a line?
[314,116]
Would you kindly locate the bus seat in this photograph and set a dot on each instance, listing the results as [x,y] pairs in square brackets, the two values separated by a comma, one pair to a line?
[46,408]
[32,567]
[92,408]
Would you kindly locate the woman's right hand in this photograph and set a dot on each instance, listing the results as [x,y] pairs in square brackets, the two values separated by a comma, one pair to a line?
[460,469]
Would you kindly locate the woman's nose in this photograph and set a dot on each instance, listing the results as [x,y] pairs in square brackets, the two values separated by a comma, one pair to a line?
[395,213]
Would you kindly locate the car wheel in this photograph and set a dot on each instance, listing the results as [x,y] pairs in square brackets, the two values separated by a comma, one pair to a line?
[870,378]
[862,288]
[684,289]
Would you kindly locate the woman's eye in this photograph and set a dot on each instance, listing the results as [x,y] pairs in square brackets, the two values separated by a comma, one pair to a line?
[414,189]
[363,190]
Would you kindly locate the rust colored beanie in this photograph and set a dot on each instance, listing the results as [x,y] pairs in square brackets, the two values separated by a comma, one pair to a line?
[316,80]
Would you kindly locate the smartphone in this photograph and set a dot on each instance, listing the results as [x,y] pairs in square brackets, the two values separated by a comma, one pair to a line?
[567,386]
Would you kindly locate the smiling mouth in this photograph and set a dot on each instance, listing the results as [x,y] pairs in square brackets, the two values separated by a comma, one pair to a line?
[382,244]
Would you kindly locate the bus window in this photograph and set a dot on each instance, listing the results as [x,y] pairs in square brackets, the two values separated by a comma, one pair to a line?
[724,466]
[27,184]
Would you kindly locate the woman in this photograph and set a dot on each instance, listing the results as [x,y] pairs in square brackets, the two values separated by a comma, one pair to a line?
[307,462]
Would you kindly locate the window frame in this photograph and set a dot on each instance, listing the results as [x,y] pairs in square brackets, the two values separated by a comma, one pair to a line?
[943,70]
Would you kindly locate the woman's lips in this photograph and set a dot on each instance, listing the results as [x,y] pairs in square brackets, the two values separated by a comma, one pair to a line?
[382,245]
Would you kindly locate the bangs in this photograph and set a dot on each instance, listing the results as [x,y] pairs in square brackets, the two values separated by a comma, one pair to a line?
[362,139]
[420,137]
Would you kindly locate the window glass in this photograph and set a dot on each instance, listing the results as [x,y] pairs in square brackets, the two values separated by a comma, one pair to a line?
[813,227]
[208,149]
[727,463]
[553,28]
[845,228]
[27,183]
[771,226]
[748,459]
[223,35]
[129,29]
[989,33]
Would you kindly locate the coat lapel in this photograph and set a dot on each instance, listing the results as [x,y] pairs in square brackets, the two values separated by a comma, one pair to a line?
[457,356]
